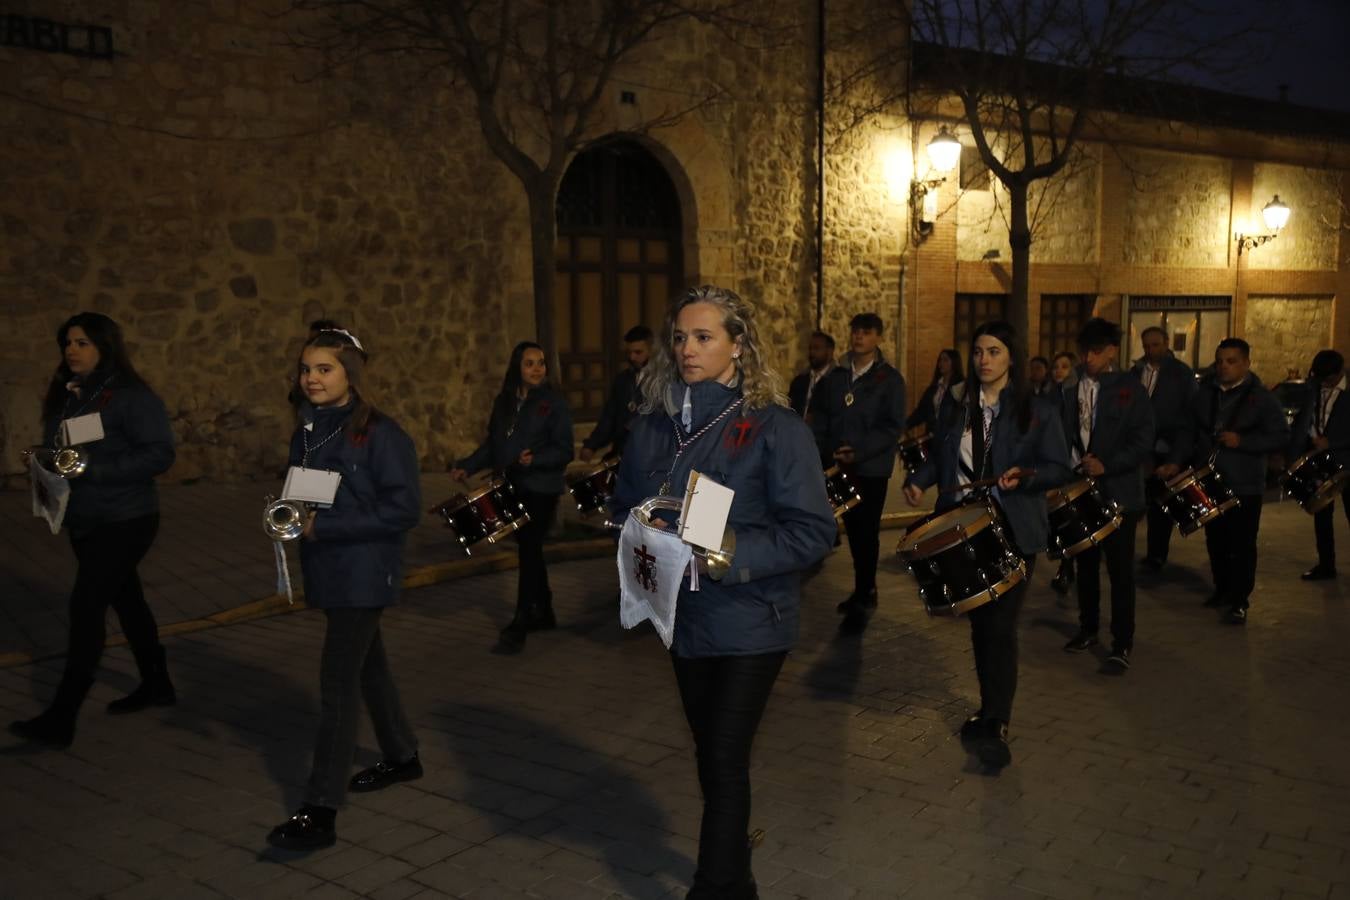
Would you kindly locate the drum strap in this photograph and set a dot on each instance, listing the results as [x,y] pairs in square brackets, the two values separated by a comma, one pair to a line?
[1233,410]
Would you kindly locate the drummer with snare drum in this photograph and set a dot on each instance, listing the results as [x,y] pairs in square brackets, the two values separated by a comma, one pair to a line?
[1237,422]
[623,399]
[1013,433]
[529,440]
[1109,423]
[1170,385]
[1324,424]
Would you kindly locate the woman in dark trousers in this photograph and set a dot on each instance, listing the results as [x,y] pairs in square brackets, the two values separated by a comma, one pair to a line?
[351,554]
[711,404]
[112,517]
[999,431]
[530,441]
[946,375]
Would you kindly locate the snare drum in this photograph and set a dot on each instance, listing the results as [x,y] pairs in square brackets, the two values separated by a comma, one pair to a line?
[962,558]
[1080,518]
[841,493]
[490,513]
[593,489]
[914,451]
[1314,480]
[1195,498]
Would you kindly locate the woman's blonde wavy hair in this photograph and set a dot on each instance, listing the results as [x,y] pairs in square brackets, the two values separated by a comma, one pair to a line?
[760,384]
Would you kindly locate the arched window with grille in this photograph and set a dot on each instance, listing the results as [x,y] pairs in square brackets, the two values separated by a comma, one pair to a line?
[619,259]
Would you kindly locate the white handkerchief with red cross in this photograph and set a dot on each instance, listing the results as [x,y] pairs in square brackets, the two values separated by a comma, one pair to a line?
[652,563]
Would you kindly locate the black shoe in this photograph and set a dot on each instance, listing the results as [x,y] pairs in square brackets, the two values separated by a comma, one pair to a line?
[311,828]
[1237,616]
[1319,572]
[973,727]
[993,749]
[385,773]
[53,728]
[854,621]
[1214,601]
[855,600]
[1080,642]
[1152,563]
[1118,663]
[155,688]
[510,640]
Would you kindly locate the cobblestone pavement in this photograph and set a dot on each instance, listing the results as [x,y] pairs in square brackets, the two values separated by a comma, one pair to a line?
[1215,768]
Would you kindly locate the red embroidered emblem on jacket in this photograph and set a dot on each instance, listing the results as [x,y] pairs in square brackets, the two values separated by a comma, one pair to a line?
[740,434]
[544,408]
[104,398]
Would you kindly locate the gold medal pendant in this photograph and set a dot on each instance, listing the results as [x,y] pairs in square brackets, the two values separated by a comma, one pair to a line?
[665,489]
[848,399]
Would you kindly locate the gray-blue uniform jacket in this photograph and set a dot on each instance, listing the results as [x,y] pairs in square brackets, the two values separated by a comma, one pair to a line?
[780,514]
[867,414]
[356,556]
[1122,436]
[616,416]
[541,424]
[137,445]
[1041,447]
[1253,412]
[1337,431]
[1172,398]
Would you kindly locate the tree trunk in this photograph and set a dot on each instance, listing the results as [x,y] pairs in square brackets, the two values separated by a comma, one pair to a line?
[1019,237]
[543,239]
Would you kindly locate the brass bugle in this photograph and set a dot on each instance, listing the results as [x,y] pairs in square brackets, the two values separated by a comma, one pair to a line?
[283,520]
[719,561]
[68,462]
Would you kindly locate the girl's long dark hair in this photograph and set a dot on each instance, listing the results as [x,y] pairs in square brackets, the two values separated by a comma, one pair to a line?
[511,382]
[956,377]
[112,359]
[1017,375]
[364,411]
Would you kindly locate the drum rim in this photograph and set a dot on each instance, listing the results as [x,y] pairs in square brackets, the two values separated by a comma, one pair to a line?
[1325,495]
[488,487]
[1184,479]
[846,506]
[1066,495]
[1210,516]
[908,441]
[505,530]
[909,544]
[980,598]
[1093,539]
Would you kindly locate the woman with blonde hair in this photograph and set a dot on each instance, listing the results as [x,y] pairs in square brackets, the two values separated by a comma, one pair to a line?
[712,405]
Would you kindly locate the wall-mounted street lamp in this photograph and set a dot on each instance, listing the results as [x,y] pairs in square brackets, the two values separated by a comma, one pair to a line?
[1276,216]
[944,153]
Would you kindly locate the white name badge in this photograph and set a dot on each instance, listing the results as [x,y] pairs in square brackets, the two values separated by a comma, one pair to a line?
[314,486]
[82,430]
[707,505]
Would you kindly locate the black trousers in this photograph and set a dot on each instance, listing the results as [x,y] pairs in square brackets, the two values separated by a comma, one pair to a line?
[532,588]
[107,556]
[353,667]
[1160,524]
[1118,551]
[724,698]
[863,523]
[1324,527]
[993,637]
[1231,542]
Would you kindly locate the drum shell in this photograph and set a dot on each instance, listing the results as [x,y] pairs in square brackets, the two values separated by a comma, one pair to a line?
[593,490]
[841,493]
[1195,498]
[1080,518]
[914,452]
[961,568]
[1314,480]
[490,513]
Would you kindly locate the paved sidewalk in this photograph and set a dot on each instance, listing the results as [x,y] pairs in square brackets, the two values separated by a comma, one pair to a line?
[1215,769]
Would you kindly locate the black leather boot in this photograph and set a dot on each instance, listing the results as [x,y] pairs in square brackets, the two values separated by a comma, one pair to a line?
[56,726]
[155,688]
[541,617]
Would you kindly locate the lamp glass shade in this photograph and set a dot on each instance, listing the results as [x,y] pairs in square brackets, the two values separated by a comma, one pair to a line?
[1275,213]
[944,151]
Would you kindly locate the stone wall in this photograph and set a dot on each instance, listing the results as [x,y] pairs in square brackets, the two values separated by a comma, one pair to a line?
[1285,333]
[1063,211]
[1177,213]
[1311,239]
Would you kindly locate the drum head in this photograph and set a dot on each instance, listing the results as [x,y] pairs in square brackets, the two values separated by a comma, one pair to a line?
[945,529]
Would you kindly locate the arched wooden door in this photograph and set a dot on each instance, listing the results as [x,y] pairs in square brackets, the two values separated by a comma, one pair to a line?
[619,259]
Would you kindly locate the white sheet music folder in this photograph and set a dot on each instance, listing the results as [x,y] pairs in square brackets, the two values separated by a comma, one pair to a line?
[703,520]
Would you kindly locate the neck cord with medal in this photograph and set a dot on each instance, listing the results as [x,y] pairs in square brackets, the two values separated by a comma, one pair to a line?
[65,408]
[683,444]
[278,548]
[304,436]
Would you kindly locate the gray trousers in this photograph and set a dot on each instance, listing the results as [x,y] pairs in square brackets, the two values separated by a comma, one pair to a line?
[354,666]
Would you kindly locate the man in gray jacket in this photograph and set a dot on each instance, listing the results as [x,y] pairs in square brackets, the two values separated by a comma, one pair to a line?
[1238,422]
[1170,385]
[1324,424]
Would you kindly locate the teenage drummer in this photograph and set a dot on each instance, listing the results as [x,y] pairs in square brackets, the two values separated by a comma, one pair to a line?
[1238,422]
[622,402]
[946,375]
[1109,423]
[1017,439]
[529,441]
[1324,424]
[857,415]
